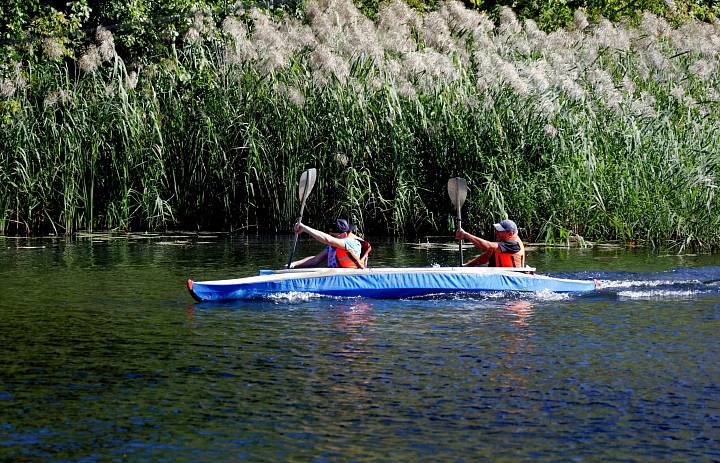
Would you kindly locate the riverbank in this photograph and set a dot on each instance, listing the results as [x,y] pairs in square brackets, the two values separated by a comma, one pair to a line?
[604,131]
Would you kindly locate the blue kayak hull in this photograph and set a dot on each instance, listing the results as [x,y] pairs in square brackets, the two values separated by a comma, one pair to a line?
[383,283]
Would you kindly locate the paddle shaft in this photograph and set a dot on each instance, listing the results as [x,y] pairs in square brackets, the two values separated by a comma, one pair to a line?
[459,226]
[292,252]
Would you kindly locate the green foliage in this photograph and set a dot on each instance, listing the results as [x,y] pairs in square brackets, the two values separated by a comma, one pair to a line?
[553,15]
[24,24]
[149,28]
[16,16]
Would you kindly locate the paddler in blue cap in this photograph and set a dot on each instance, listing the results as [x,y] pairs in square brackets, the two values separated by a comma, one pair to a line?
[344,249]
[506,251]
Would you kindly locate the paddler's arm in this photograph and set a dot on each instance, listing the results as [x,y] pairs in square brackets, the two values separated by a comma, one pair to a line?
[478,242]
[317,235]
[311,261]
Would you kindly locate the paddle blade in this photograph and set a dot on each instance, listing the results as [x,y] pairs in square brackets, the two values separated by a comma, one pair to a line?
[457,190]
[306,184]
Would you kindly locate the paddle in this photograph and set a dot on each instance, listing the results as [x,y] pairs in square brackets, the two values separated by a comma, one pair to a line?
[457,189]
[305,186]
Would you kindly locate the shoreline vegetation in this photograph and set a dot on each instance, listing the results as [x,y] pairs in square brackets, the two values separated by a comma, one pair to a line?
[599,130]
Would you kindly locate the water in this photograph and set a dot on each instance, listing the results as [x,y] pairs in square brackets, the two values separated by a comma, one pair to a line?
[106,358]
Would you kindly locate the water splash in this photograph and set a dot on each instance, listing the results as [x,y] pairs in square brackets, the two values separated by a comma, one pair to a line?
[294,297]
[663,295]
[547,295]
[674,284]
[612,284]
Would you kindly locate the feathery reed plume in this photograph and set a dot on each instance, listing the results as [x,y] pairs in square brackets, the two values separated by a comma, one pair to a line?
[407,90]
[61,97]
[607,35]
[106,44]
[509,74]
[131,80]
[653,27]
[393,26]
[657,60]
[550,131]
[192,36]
[429,66]
[580,21]
[240,49]
[360,40]
[90,60]
[537,76]
[628,85]
[272,50]
[298,35]
[547,106]
[644,106]
[53,49]
[7,88]
[323,60]
[436,33]
[18,73]
[704,69]
[604,88]
[535,35]
[509,24]
[460,19]
[341,159]
[681,97]
[571,89]
[234,28]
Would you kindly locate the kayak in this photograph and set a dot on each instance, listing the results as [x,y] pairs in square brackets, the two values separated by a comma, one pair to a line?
[384,283]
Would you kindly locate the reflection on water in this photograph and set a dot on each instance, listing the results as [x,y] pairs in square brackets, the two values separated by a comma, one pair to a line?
[354,319]
[352,376]
[515,337]
[105,357]
[521,310]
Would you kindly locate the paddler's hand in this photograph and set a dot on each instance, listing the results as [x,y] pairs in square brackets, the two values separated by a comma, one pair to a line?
[460,234]
[299,228]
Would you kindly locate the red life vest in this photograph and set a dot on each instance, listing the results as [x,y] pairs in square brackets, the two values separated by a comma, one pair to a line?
[345,258]
[508,259]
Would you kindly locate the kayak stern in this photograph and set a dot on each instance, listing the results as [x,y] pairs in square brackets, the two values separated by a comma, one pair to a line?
[192,293]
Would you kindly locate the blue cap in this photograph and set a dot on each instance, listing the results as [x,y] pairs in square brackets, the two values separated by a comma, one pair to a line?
[506,225]
[341,226]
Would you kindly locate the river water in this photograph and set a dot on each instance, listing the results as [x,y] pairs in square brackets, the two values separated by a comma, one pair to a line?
[105,357]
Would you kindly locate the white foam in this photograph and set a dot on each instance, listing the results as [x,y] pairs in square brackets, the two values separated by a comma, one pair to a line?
[544,295]
[293,296]
[547,295]
[660,294]
[610,284]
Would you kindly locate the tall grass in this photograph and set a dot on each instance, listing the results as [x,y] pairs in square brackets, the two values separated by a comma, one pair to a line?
[605,131]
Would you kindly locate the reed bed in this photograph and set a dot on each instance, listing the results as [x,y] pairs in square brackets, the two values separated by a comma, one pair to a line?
[604,131]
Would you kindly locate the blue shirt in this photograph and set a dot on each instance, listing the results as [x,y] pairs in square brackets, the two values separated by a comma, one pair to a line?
[351,244]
